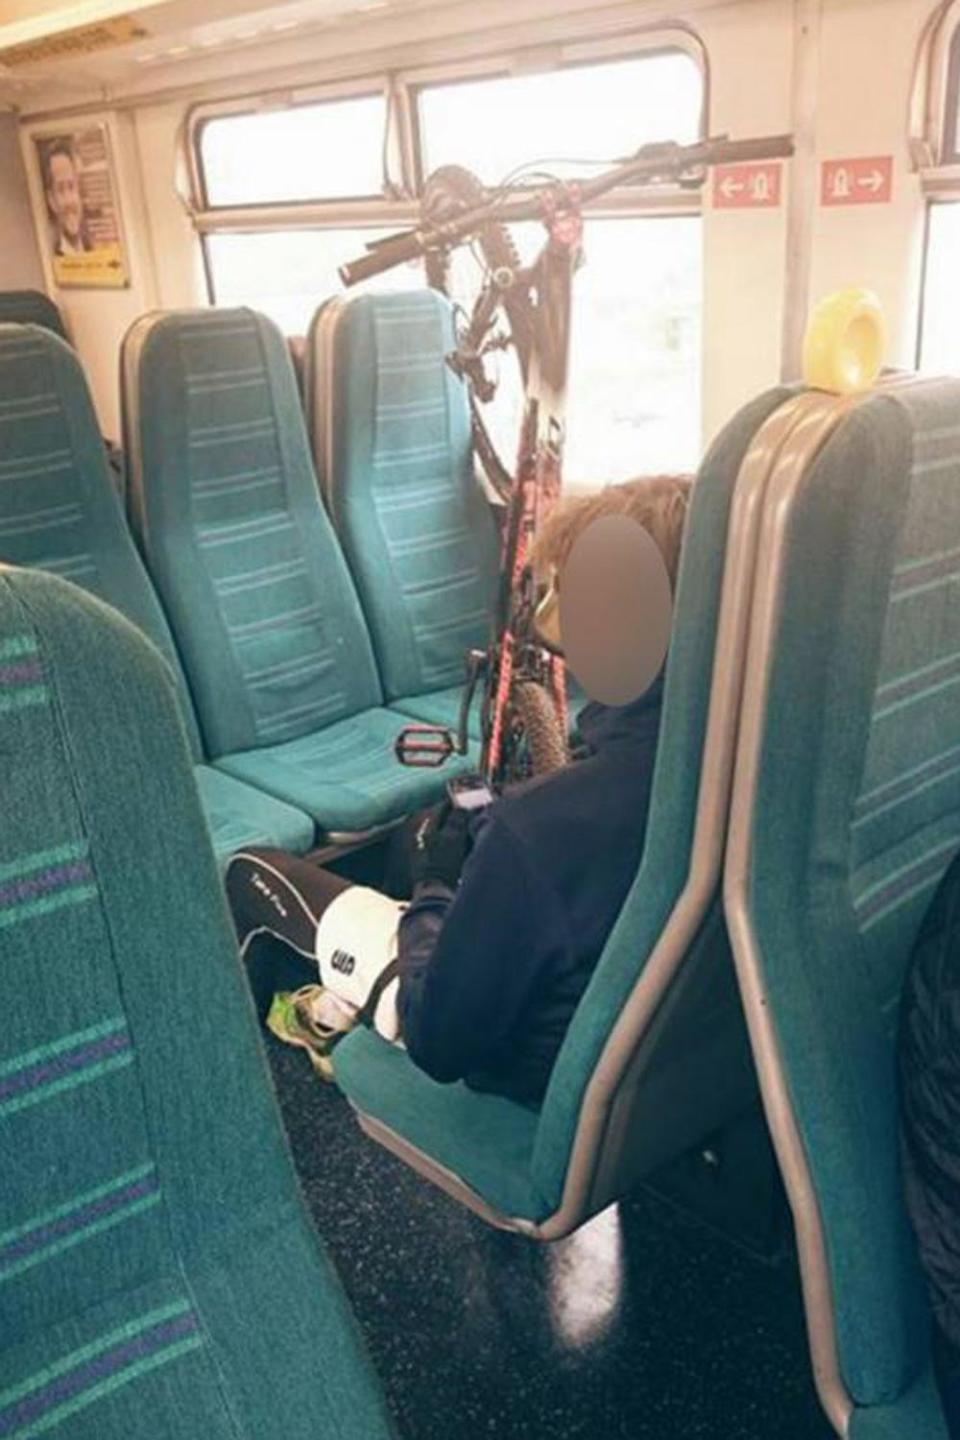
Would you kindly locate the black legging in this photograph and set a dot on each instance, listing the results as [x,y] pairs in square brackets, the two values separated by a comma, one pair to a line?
[277,901]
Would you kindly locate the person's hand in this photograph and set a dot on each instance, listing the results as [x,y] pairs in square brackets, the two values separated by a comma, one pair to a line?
[440,845]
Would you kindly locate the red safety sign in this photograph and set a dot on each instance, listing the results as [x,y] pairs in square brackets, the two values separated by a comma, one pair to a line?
[747,187]
[857,182]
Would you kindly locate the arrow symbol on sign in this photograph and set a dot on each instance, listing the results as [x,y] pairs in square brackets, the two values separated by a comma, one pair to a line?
[874,181]
[729,187]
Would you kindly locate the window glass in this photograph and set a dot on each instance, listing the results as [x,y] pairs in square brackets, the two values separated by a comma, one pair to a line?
[633,404]
[940,348]
[584,112]
[288,273]
[308,152]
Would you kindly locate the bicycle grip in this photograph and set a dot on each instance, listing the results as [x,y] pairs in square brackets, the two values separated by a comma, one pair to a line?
[394,251]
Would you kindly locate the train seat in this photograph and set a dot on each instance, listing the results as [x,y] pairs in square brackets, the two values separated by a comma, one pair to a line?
[224,500]
[59,512]
[390,429]
[31,307]
[844,817]
[657,1055]
[159,1274]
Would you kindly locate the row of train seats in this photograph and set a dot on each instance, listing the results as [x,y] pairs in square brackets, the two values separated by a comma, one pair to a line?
[296,669]
[806,799]
[806,804]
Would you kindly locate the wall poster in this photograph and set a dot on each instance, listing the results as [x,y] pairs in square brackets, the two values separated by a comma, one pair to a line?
[83,212]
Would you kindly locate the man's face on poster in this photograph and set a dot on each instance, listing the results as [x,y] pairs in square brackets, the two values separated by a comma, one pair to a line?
[63,195]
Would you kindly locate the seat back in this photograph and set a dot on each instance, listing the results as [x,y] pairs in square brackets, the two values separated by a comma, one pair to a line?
[846,814]
[624,1094]
[224,500]
[31,307]
[58,507]
[147,1200]
[390,429]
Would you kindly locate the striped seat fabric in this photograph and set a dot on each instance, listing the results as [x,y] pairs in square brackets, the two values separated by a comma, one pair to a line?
[159,1276]
[31,307]
[855,820]
[224,499]
[59,512]
[390,428]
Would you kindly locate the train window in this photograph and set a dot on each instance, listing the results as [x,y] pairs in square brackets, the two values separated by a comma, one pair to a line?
[635,376]
[634,397]
[580,112]
[635,365]
[332,150]
[288,273]
[940,342]
[634,401]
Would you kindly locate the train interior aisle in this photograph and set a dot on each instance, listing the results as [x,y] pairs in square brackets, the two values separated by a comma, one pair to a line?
[563,898]
[639,1324]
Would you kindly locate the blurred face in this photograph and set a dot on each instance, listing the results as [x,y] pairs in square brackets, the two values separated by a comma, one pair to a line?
[64,196]
[614,606]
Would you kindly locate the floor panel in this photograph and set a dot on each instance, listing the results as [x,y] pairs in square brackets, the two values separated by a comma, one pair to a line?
[644,1324]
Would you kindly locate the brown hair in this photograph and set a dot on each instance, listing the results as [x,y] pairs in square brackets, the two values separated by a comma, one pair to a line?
[658,502]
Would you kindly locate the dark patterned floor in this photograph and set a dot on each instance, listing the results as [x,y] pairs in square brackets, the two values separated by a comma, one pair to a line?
[645,1324]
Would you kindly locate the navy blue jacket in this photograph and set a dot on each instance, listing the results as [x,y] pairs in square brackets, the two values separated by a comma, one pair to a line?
[490,975]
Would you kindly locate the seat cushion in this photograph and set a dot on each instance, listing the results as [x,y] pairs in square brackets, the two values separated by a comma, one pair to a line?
[916,1414]
[485,1139]
[440,707]
[238,815]
[346,776]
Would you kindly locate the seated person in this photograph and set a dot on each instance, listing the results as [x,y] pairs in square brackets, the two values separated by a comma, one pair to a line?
[511,905]
[929,1063]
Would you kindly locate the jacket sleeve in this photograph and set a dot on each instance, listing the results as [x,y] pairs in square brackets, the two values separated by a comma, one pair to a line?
[469,960]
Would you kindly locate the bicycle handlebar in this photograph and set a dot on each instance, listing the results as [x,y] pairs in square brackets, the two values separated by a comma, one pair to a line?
[652,163]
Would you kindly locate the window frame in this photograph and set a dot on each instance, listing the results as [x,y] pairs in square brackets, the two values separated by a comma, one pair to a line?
[934,133]
[949,152]
[402,147]
[269,102]
[402,138]
[647,42]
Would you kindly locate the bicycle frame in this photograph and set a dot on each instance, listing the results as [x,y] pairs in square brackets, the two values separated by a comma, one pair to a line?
[545,291]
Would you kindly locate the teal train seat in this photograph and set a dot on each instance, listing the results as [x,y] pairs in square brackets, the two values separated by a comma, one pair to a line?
[159,1274]
[390,429]
[224,500]
[59,512]
[845,816]
[657,1055]
[31,307]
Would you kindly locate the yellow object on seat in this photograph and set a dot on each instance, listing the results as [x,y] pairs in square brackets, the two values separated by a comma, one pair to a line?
[845,341]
